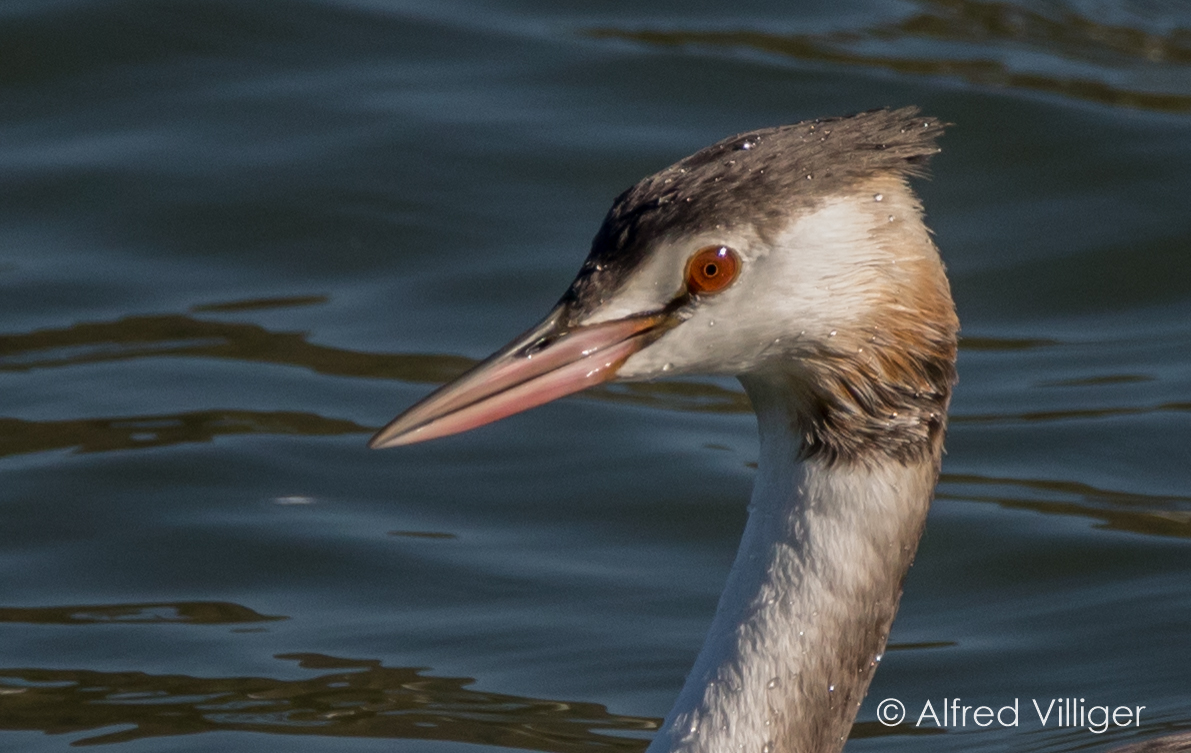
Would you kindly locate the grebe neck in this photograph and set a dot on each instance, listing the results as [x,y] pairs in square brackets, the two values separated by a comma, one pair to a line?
[806,611]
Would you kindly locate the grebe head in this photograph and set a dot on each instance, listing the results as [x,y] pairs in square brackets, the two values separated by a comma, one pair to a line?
[795,253]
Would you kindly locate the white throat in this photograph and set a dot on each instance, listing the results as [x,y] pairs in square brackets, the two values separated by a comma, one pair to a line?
[808,604]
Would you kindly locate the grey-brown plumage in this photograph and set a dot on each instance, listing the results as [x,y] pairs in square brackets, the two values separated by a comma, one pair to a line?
[742,178]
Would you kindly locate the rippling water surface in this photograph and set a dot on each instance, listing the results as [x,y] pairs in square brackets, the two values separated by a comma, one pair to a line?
[237,237]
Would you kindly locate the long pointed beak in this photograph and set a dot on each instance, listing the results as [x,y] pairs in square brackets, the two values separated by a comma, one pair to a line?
[546,363]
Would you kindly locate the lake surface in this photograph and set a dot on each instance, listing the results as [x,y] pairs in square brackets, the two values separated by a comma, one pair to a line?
[236,238]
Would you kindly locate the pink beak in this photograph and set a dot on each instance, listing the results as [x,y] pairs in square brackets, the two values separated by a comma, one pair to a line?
[544,364]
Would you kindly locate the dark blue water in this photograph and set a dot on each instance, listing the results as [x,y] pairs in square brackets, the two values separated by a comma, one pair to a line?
[235,238]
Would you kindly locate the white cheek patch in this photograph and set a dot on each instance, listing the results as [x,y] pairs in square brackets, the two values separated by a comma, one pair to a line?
[825,271]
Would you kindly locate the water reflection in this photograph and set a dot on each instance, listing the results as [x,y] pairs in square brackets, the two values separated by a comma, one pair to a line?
[174,335]
[968,342]
[992,44]
[136,432]
[260,304]
[1117,511]
[184,612]
[1074,413]
[346,698]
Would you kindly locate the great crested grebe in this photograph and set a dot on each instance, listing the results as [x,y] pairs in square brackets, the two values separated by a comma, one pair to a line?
[805,247]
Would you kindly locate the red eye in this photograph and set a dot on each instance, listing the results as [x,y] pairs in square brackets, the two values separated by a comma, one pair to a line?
[711,270]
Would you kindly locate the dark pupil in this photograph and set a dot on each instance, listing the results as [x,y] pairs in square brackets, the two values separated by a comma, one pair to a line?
[710,270]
